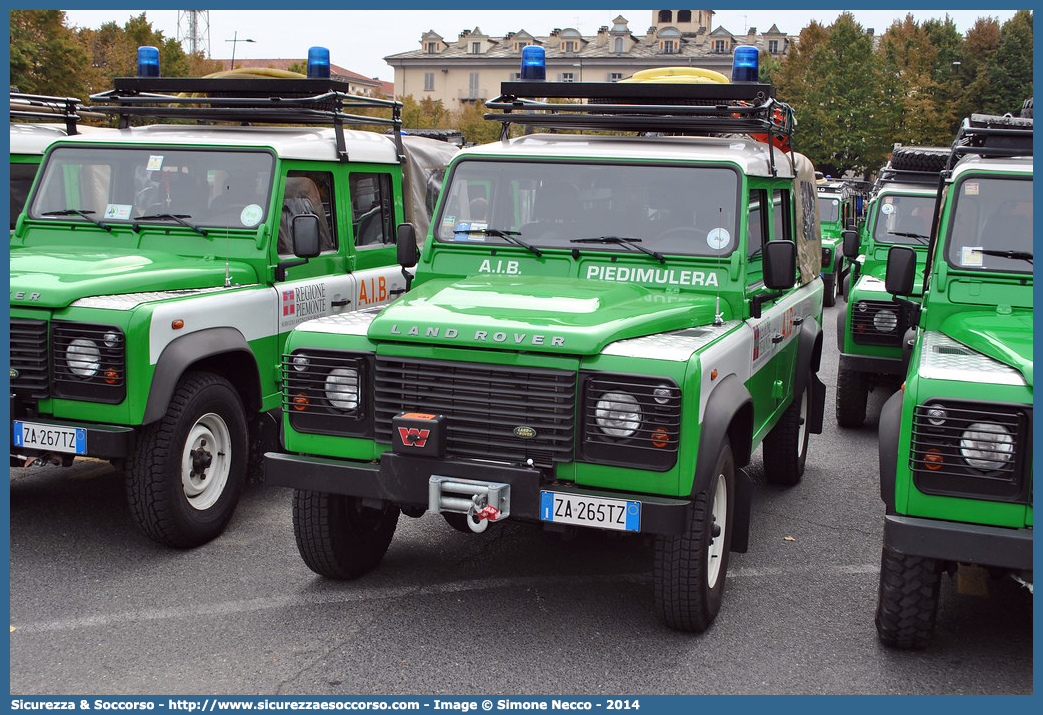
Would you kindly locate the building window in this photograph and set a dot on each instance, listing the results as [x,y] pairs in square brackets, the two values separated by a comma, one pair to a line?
[684,15]
[432,48]
[472,85]
[568,46]
[476,48]
[718,45]
[666,16]
[519,45]
[429,81]
[615,76]
[773,47]
[568,76]
[618,45]
[669,47]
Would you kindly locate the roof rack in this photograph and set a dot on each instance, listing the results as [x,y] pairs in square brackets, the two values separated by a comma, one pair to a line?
[889,175]
[992,136]
[267,100]
[686,109]
[41,107]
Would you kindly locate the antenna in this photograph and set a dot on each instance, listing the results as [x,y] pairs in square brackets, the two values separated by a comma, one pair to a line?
[193,31]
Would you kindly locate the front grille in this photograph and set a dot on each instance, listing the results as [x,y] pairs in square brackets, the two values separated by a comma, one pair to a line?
[867,318]
[89,361]
[29,358]
[484,405]
[976,450]
[312,377]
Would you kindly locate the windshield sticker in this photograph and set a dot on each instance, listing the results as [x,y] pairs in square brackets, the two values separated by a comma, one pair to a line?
[970,188]
[251,215]
[658,276]
[118,211]
[836,202]
[448,221]
[718,238]
[971,257]
[887,209]
[464,231]
[155,163]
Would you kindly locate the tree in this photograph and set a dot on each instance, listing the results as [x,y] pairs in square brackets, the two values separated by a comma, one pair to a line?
[980,43]
[46,57]
[1008,71]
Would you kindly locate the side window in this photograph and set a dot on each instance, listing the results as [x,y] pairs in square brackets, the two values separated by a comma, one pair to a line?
[780,205]
[372,209]
[308,192]
[756,228]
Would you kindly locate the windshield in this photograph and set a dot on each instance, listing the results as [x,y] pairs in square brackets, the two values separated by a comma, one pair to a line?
[22,176]
[688,210]
[904,220]
[115,184]
[991,225]
[828,209]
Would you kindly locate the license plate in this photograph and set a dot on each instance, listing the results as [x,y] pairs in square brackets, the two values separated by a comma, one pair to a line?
[71,440]
[617,514]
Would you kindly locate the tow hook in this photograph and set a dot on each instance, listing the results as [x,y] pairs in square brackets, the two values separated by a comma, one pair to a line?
[44,460]
[482,502]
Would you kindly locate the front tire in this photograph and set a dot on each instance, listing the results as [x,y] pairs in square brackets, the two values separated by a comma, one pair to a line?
[689,569]
[852,397]
[184,480]
[786,446]
[908,600]
[337,536]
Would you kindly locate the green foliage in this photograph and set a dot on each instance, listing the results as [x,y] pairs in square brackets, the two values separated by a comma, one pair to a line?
[1008,71]
[46,57]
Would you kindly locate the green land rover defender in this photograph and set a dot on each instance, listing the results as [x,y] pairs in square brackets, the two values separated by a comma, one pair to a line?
[871,329]
[157,270]
[601,331]
[956,441]
[836,211]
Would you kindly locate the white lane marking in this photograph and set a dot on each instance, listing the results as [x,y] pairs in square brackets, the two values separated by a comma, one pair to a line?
[382,594]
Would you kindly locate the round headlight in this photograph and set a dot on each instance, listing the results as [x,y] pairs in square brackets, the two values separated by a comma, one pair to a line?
[662,394]
[936,416]
[987,446]
[885,321]
[83,357]
[300,363]
[342,388]
[618,414]
[111,339]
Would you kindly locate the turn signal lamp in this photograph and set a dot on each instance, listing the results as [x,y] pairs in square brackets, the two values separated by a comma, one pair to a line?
[148,61]
[660,438]
[534,63]
[300,402]
[318,62]
[933,460]
[745,64]
[112,377]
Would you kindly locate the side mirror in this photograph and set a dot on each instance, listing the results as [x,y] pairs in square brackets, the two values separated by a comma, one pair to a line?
[305,229]
[406,245]
[851,244]
[901,270]
[780,264]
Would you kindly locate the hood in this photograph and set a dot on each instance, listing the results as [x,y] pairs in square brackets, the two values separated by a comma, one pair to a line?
[55,277]
[533,313]
[1003,337]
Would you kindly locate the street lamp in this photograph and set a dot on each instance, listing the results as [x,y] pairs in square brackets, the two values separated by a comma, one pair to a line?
[234,40]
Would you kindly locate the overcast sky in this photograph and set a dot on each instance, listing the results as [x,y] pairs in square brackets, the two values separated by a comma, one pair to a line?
[358,40]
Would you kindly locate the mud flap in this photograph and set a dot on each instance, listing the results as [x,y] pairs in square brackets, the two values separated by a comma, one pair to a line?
[741,513]
[817,408]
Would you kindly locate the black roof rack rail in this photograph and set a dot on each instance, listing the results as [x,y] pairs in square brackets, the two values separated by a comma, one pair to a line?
[687,109]
[266,100]
[992,136]
[889,175]
[43,108]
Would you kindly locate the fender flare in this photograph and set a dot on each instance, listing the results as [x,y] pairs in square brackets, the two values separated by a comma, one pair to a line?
[890,431]
[185,351]
[729,401]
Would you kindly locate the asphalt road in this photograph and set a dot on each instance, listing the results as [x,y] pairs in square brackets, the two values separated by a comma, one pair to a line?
[98,609]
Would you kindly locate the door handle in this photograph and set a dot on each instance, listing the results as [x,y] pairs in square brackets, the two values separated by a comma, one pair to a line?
[777,338]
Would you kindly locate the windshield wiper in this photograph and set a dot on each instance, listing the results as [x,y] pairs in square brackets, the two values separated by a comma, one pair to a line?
[631,243]
[171,217]
[918,236]
[82,214]
[1012,255]
[509,236]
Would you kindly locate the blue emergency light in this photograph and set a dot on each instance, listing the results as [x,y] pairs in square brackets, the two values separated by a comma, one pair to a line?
[534,63]
[746,64]
[318,62]
[148,61]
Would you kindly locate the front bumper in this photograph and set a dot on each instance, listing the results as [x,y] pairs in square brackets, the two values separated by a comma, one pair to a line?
[964,543]
[102,441]
[404,480]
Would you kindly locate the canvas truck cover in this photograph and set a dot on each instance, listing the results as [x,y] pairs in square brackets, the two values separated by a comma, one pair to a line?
[423,174]
[805,201]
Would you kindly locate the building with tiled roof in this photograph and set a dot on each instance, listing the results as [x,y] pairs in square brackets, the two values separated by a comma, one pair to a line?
[471,67]
[357,84]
